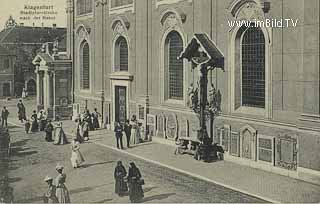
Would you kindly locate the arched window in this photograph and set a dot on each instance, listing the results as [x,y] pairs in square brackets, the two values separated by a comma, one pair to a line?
[173,66]
[253,68]
[121,55]
[85,66]
[84,6]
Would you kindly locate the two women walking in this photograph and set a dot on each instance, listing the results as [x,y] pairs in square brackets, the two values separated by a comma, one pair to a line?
[57,191]
[134,180]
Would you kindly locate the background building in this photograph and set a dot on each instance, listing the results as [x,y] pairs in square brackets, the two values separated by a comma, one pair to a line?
[24,41]
[7,61]
[270,119]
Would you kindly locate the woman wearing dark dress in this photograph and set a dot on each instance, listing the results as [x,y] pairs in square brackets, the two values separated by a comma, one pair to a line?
[95,119]
[34,125]
[119,174]
[21,111]
[135,185]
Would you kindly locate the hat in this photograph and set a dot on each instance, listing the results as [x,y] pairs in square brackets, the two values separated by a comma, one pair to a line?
[47,178]
[59,167]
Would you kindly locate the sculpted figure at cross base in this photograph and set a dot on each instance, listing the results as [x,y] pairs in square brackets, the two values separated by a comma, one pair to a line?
[193,96]
[214,100]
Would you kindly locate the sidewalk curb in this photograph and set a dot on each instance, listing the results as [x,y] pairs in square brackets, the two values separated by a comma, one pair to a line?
[175,169]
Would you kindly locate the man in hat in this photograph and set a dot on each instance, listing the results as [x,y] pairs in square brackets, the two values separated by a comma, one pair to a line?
[50,195]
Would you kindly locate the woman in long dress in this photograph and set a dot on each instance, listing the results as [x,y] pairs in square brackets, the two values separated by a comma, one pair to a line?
[76,156]
[34,124]
[60,137]
[21,111]
[135,186]
[119,175]
[79,131]
[62,192]
[50,195]
[95,119]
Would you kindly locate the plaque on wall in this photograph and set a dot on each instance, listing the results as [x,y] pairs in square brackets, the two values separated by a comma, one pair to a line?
[287,152]
[172,126]
[184,129]
[234,143]
[161,124]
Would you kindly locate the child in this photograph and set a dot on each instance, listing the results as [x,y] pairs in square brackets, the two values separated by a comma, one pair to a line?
[27,126]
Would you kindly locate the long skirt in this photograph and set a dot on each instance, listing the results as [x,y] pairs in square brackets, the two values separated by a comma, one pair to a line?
[42,125]
[60,137]
[120,186]
[34,126]
[22,116]
[76,158]
[96,123]
[48,137]
[86,135]
[62,194]
[135,191]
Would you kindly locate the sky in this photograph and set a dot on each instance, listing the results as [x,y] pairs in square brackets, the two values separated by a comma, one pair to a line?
[51,12]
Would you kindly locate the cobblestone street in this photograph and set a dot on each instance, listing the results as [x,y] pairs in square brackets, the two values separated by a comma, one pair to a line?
[32,159]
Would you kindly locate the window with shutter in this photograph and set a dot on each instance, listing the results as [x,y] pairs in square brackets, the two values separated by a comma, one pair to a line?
[85,63]
[253,68]
[174,66]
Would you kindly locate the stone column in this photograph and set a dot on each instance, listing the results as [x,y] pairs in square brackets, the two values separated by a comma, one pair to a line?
[38,85]
[47,89]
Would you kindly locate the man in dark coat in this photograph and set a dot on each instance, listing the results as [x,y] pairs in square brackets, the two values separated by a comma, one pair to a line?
[4,117]
[118,133]
[21,111]
[127,130]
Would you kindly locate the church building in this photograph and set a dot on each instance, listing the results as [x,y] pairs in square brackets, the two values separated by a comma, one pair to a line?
[125,62]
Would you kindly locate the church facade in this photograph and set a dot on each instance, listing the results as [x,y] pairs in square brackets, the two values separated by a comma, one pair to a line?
[125,63]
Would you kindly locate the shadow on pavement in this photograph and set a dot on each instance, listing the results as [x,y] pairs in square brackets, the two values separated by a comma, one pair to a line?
[19,143]
[95,164]
[103,201]
[147,189]
[157,197]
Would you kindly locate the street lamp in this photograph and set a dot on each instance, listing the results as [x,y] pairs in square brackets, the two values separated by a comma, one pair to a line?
[204,55]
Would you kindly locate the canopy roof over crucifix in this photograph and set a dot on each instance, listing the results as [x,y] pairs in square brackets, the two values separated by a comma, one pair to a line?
[202,50]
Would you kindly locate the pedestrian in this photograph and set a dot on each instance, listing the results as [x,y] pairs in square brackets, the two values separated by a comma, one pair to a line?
[76,156]
[79,132]
[21,111]
[95,119]
[119,175]
[4,117]
[60,137]
[87,118]
[49,129]
[135,183]
[23,95]
[85,130]
[127,131]
[27,126]
[42,120]
[62,192]
[50,195]
[34,124]
[135,130]
[118,134]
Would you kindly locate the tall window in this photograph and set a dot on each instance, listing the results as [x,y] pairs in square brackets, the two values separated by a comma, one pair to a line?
[121,55]
[253,68]
[173,66]
[85,66]
[84,6]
